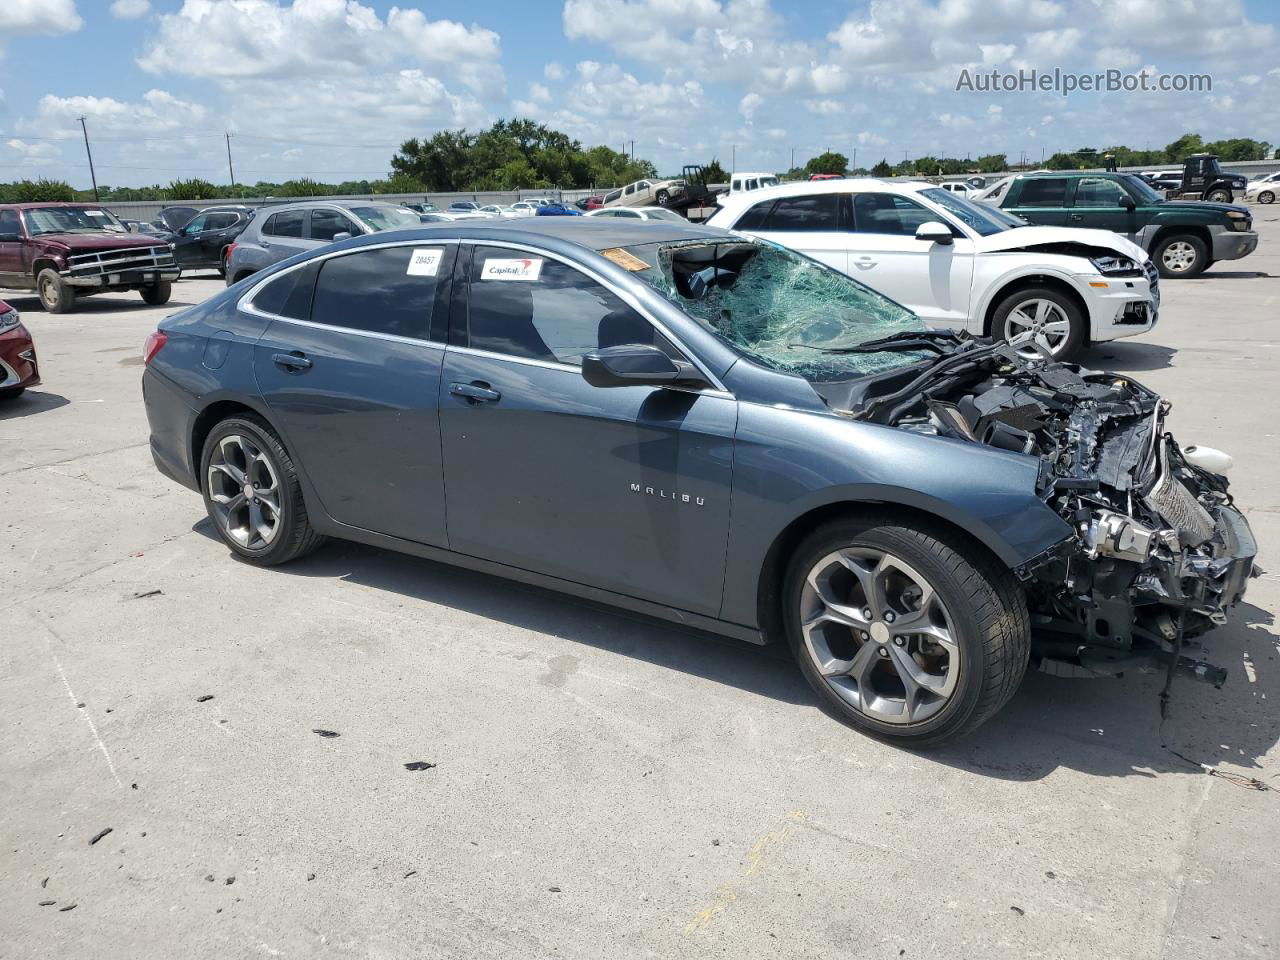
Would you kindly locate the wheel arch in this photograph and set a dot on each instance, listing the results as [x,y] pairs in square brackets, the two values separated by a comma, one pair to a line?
[42,263]
[1026,282]
[1198,230]
[212,415]
[782,549]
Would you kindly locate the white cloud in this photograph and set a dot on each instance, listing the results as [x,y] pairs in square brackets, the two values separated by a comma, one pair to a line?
[39,16]
[130,9]
[749,104]
[268,38]
[553,71]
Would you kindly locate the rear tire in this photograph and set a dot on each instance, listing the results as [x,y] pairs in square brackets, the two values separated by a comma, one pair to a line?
[56,295]
[157,294]
[931,578]
[1052,318]
[269,526]
[1181,255]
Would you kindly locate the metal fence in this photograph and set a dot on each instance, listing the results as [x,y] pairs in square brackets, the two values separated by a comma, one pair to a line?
[148,209]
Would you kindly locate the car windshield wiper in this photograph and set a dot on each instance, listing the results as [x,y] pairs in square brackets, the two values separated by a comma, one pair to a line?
[939,341]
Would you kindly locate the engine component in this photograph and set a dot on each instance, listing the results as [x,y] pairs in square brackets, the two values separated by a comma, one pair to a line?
[1208,458]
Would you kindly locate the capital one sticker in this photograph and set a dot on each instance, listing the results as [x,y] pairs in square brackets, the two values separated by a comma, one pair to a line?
[526,269]
[424,263]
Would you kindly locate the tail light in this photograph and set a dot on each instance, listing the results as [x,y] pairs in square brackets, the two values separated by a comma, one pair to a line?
[155,341]
[226,256]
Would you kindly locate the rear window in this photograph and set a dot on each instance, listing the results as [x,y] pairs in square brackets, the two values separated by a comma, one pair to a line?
[818,212]
[286,223]
[1045,192]
[389,290]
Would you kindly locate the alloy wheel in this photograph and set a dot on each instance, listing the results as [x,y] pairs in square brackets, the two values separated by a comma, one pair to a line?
[1038,322]
[879,635]
[1267,196]
[245,492]
[1179,256]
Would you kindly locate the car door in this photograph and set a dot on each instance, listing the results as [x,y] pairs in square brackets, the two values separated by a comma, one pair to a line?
[186,244]
[350,370]
[622,488]
[810,223]
[1096,203]
[284,234]
[933,280]
[1041,200]
[219,230]
[13,266]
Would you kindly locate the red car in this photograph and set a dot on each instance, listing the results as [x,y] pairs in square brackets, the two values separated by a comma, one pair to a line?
[18,368]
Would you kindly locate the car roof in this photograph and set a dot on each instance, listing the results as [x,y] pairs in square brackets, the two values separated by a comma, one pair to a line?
[318,202]
[591,233]
[805,188]
[31,204]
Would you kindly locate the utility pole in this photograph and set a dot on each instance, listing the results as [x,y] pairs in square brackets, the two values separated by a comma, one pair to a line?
[793,159]
[733,163]
[854,165]
[92,176]
[229,166]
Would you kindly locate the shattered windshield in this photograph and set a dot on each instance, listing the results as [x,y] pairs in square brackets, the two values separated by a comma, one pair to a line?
[782,309]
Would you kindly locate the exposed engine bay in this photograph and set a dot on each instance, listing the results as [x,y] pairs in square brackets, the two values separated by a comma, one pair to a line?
[1159,552]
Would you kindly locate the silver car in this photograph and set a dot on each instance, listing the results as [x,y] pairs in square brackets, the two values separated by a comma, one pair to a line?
[282,230]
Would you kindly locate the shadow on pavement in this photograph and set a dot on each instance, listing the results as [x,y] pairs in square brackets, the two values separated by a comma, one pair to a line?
[30,303]
[1104,727]
[1126,356]
[31,402]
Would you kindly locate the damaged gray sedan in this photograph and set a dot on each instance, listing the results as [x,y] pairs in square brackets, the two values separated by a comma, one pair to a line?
[713,430]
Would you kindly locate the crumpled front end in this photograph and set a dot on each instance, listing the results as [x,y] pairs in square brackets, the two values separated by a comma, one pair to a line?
[1160,554]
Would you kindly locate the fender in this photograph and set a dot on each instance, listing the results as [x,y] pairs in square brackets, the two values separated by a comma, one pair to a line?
[1044,265]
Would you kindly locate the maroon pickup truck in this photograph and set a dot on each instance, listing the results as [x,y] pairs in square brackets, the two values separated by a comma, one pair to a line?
[68,250]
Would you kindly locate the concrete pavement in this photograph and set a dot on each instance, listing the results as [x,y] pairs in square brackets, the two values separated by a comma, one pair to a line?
[604,785]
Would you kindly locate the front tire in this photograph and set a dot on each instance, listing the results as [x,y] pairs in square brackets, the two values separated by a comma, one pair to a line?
[252,493]
[157,294]
[662,196]
[1046,317]
[1267,196]
[56,295]
[1219,196]
[905,631]
[1181,255]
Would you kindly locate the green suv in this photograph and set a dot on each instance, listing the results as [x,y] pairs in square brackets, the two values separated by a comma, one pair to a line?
[1182,236]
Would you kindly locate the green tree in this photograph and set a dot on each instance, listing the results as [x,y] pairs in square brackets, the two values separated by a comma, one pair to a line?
[1185,145]
[882,169]
[1062,161]
[1239,148]
[829,162]
[993,163]
[305,187]
[36,191]
[195,189]
[714,172]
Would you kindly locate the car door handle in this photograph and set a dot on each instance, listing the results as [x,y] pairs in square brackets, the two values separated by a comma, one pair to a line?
[291,362]
[265,243]
[1075,216]
[865,261]
[475,392]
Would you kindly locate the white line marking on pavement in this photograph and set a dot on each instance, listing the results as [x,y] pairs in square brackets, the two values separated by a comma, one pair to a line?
[85,711]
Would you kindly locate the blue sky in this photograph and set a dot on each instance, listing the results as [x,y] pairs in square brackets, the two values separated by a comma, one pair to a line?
[327,88]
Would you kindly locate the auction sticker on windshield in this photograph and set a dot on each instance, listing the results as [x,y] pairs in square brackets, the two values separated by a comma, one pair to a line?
[424,263]
[526,269]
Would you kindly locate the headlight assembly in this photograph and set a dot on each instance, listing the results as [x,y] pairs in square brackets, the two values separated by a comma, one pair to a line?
[1116,266]
[8,319]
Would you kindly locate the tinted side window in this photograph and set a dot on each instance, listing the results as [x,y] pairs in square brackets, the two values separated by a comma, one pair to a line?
[374,290]
[197,224]
[9,221]
[220,221]
[286,223]
[289,295]
[325,223]
[1098,192]
[888,213]
[755,218]
[817,212]
[1043,192]
[529,306]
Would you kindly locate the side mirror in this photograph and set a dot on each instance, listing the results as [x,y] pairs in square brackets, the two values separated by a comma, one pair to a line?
[341,235]
[635,364]
[934,232]
[1126,201]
